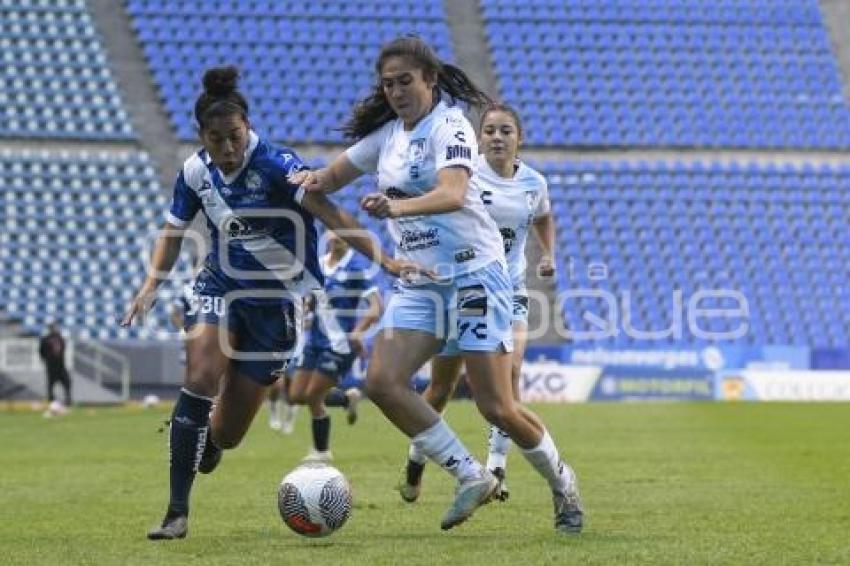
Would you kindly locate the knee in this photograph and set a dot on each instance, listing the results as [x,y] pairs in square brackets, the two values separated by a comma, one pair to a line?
[379,387]
[226,440]
[203,380]
[297,397]
[502,415]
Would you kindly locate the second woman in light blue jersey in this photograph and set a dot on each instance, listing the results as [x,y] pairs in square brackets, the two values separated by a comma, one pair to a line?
[422,148]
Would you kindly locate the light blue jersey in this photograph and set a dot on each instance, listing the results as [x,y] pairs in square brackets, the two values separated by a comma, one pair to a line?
[514,203]
[407,164]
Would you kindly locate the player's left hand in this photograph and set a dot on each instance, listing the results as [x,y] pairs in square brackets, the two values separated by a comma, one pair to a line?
[378,205]
[546,268]
[142,303]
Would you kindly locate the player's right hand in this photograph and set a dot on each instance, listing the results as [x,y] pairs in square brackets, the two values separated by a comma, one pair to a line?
[139,307]
[312,181]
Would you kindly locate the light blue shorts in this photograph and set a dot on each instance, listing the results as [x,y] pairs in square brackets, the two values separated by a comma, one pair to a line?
[471,313]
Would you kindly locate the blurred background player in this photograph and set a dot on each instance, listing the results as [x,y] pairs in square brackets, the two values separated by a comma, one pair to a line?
[282,412]
[248,296]
[422,149]
[517,198]
[51,349]
[335,339]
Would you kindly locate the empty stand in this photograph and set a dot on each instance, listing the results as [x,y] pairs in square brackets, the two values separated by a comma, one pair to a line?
[56,80]
[778,235]
[305,65]
[730,73]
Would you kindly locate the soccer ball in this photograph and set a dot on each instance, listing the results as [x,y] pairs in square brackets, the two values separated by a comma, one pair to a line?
[314,500]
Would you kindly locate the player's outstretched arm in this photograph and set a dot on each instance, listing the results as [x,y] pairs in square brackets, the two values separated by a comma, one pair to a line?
[544,229]
[166,249]
[330,179]
[358,237]
[447,196]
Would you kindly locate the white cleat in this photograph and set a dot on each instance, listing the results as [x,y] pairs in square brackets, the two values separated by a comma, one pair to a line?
[469,496]
[274,423]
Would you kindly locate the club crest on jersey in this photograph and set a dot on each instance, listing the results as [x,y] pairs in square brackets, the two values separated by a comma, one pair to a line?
[253,181]
[415,156]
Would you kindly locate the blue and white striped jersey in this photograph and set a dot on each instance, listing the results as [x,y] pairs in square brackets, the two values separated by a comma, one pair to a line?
[336,311]
[261,236]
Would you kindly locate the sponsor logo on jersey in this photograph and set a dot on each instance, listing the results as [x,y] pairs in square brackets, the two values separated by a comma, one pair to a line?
[465,254]
[458,152]
[412,240]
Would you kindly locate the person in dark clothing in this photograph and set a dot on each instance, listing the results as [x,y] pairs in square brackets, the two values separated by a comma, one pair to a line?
[52,352]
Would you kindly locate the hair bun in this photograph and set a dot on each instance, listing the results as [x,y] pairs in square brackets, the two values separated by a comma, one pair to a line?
[221,81]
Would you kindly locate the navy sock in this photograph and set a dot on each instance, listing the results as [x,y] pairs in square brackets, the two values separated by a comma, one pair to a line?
[336,397]
[321,433]
[187,437]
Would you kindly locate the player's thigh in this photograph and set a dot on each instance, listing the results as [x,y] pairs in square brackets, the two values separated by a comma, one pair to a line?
[299,383]
[398,353]
[237,404]
[489,377]
[206,361]
[318,384]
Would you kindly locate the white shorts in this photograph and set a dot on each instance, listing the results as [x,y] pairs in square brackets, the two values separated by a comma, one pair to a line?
[471,313]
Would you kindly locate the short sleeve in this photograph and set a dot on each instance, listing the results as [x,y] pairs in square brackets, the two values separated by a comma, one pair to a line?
[454,143]
[185,204]
[544,207]
[364,154]
[286,163]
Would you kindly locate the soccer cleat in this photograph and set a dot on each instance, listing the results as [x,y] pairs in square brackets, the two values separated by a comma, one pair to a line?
[569,517]
[502,492]
[354,397]
[172,527]
[469,496]
[211,456]
[410,484]
[318,456]
[274,423]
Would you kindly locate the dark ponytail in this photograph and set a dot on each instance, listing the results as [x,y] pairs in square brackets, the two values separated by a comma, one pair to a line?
[374,111]
[221,96]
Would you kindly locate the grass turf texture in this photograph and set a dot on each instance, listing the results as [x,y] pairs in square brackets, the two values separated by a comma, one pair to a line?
[662,483]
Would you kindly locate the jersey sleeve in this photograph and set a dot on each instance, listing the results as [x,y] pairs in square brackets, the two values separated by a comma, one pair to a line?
[288,163]
[185,204]
[544,206]
[454,143]
[364,154]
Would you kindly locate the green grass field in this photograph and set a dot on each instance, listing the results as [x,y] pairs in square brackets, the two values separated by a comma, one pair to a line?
[662,483]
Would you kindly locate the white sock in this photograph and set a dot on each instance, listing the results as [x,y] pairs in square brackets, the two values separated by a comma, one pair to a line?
[499,444]
[443,446]
[546,460]
[416,455]
[273,410]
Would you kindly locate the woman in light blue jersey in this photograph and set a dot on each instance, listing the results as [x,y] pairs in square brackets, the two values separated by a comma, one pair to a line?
[516,196]
[409,132]
[243,317]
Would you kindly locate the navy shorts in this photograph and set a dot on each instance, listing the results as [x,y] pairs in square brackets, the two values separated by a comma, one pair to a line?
[266,330]
[332,364]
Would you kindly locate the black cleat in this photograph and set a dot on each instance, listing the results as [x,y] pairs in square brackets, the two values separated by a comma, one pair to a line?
[502,493]
[411,482]
[210,458]
[172,527]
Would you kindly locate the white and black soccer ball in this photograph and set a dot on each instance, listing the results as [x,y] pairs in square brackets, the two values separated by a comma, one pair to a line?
[314,500]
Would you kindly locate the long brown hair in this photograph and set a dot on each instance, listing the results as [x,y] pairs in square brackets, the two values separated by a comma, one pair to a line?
[374,111]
